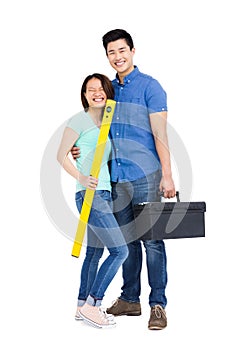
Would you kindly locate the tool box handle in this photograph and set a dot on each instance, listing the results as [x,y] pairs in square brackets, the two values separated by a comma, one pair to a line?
[160,193]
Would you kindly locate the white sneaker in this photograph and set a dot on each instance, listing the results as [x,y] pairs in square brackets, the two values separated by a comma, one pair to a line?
[109,316]
[96,316]
[77,317]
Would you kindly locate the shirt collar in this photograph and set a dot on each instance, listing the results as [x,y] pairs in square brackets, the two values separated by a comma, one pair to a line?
[129,77]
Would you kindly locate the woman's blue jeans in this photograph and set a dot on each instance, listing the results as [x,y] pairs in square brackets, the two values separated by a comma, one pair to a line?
[102,231]
[126,195]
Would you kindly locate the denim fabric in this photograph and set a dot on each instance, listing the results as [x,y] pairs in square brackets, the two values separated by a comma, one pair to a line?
[102,231]
[126,195]
[141,89]
[134,153]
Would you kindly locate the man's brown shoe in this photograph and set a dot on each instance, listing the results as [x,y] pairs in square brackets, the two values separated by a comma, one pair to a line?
[158,318]
[122,307]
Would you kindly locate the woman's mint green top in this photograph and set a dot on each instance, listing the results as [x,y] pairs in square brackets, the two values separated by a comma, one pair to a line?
[88,133]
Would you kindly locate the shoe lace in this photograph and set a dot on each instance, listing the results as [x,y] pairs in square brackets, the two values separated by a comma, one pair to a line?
[115,302]
[107,318]
[104,313]
[158,311]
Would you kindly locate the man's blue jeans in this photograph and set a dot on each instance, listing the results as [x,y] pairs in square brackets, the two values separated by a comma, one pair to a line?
[102,230]
[126,195]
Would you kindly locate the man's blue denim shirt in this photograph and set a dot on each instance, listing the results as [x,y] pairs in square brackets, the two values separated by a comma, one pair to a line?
[134,152]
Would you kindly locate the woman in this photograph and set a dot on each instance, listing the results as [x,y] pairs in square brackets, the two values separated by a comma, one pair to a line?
[83,130]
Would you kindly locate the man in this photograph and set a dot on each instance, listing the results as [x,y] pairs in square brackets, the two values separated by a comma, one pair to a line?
[140,167]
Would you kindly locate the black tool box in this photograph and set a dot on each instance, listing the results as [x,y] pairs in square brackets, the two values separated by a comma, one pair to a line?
[169,220]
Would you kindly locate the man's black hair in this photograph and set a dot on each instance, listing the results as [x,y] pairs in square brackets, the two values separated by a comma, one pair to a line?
[117,34]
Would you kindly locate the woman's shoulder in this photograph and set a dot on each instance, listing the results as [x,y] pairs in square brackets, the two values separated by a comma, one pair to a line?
[77,121]
[78,116]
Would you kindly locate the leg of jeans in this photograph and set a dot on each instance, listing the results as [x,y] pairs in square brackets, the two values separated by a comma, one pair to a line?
[155,250]
[105,227]
[108,270]
[157,271]
[94,252]
[89,271]
[138,191]
[131,271]
[131,268]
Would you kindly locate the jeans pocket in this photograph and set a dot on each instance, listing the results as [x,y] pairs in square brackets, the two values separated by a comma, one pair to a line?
[102,202]
[106,195]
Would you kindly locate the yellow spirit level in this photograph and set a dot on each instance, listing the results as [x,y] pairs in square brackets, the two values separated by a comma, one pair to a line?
[95,169]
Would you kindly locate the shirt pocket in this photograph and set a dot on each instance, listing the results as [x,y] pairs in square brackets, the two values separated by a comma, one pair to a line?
[135,100]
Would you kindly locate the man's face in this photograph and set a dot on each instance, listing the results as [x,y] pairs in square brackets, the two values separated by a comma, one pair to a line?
[120,56]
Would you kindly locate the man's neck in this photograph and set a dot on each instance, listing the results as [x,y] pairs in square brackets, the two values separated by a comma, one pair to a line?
[122,75]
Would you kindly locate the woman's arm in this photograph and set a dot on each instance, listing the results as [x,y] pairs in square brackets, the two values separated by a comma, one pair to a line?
[68,139]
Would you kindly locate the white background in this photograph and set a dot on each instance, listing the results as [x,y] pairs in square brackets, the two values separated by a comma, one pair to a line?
[47,48]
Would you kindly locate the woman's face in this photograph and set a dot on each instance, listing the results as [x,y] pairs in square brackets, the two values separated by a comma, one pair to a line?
[95,95]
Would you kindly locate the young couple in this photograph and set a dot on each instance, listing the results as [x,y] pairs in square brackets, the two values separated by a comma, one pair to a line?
[139,167]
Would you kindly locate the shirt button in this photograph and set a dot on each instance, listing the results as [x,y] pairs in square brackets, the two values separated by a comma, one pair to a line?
[117,134]
[118,118]
[118,164]
[117,149]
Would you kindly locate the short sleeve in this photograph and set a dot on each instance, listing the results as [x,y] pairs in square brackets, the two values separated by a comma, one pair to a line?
[76,123]
[156,97]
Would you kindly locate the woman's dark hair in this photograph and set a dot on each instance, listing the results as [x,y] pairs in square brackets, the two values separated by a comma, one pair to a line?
[117,34]
[105,82]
